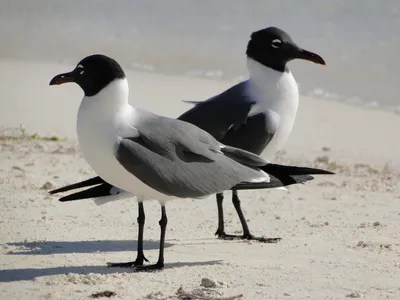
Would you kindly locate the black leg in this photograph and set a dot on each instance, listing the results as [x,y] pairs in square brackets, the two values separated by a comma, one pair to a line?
[140,258]
[220,231]
[160,263]
[238,207]
[246,232]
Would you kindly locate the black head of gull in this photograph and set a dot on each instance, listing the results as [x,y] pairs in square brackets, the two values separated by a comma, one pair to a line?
[92,74]
[274,48]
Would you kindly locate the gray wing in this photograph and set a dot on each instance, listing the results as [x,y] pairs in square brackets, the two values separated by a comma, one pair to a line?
[221,113]
[179,159]
[255,134]
[227,117]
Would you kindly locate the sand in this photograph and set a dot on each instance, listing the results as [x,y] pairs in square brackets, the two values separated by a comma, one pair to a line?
[340,233]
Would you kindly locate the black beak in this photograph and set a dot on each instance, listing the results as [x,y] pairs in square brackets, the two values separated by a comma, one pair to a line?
[307,55]
[63,78]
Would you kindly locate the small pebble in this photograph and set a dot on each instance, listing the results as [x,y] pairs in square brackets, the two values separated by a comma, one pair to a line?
[106,294]
[18,168]
[354,295]
[208,283]
[260,284]
[362,244]
[377,223]
[47,186]
[322,159]
[387,246]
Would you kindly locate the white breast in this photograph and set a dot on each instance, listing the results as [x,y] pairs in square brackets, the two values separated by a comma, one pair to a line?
[278,92]
[100,124]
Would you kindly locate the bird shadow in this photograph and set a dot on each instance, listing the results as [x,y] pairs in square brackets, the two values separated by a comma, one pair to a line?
[12,275]
[64,247]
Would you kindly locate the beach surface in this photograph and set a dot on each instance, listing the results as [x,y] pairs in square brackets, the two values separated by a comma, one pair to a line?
[340,234]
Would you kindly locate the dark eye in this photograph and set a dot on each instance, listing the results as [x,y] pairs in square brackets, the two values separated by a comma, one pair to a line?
[276,43]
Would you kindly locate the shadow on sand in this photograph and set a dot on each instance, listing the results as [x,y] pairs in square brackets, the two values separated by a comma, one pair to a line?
[31,273]
[64,247]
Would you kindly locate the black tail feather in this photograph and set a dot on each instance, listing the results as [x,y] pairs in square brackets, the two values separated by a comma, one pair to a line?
[97,191]
[275,169]
[85,183]
[286,173]
[273,183]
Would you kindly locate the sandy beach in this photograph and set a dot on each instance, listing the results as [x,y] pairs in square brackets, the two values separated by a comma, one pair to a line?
[340,233]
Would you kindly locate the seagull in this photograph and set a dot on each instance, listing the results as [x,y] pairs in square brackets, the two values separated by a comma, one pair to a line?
[156,157]
[256,115]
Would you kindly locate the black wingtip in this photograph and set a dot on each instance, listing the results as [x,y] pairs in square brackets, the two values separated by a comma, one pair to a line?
[94,192]
[274,182]
[294,170]
[192,102]
[81,184]
[287,174]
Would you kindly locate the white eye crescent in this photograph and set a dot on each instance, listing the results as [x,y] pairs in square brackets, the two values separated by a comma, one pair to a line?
[276,43]
[81,67]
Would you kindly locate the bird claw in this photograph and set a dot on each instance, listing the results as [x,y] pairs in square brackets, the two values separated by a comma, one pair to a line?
[248,237]
[131,264]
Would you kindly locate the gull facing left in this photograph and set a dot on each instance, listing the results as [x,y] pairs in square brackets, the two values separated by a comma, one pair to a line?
[156,157]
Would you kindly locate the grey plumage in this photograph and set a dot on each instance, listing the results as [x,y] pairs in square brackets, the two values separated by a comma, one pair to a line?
[179,159]
[226,117]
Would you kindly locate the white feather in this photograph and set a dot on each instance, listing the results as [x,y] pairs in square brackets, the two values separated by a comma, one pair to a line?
[275,91]
[103,120]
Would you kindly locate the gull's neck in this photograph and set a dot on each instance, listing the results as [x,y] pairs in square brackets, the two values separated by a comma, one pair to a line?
[272,84]
[276,92]
[262,75]
[110,99]
[272,89]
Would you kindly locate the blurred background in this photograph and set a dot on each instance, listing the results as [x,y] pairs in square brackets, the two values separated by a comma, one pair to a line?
[359,39]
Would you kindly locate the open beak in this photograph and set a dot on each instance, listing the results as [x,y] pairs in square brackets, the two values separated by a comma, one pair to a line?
[307,55]
[63,78]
